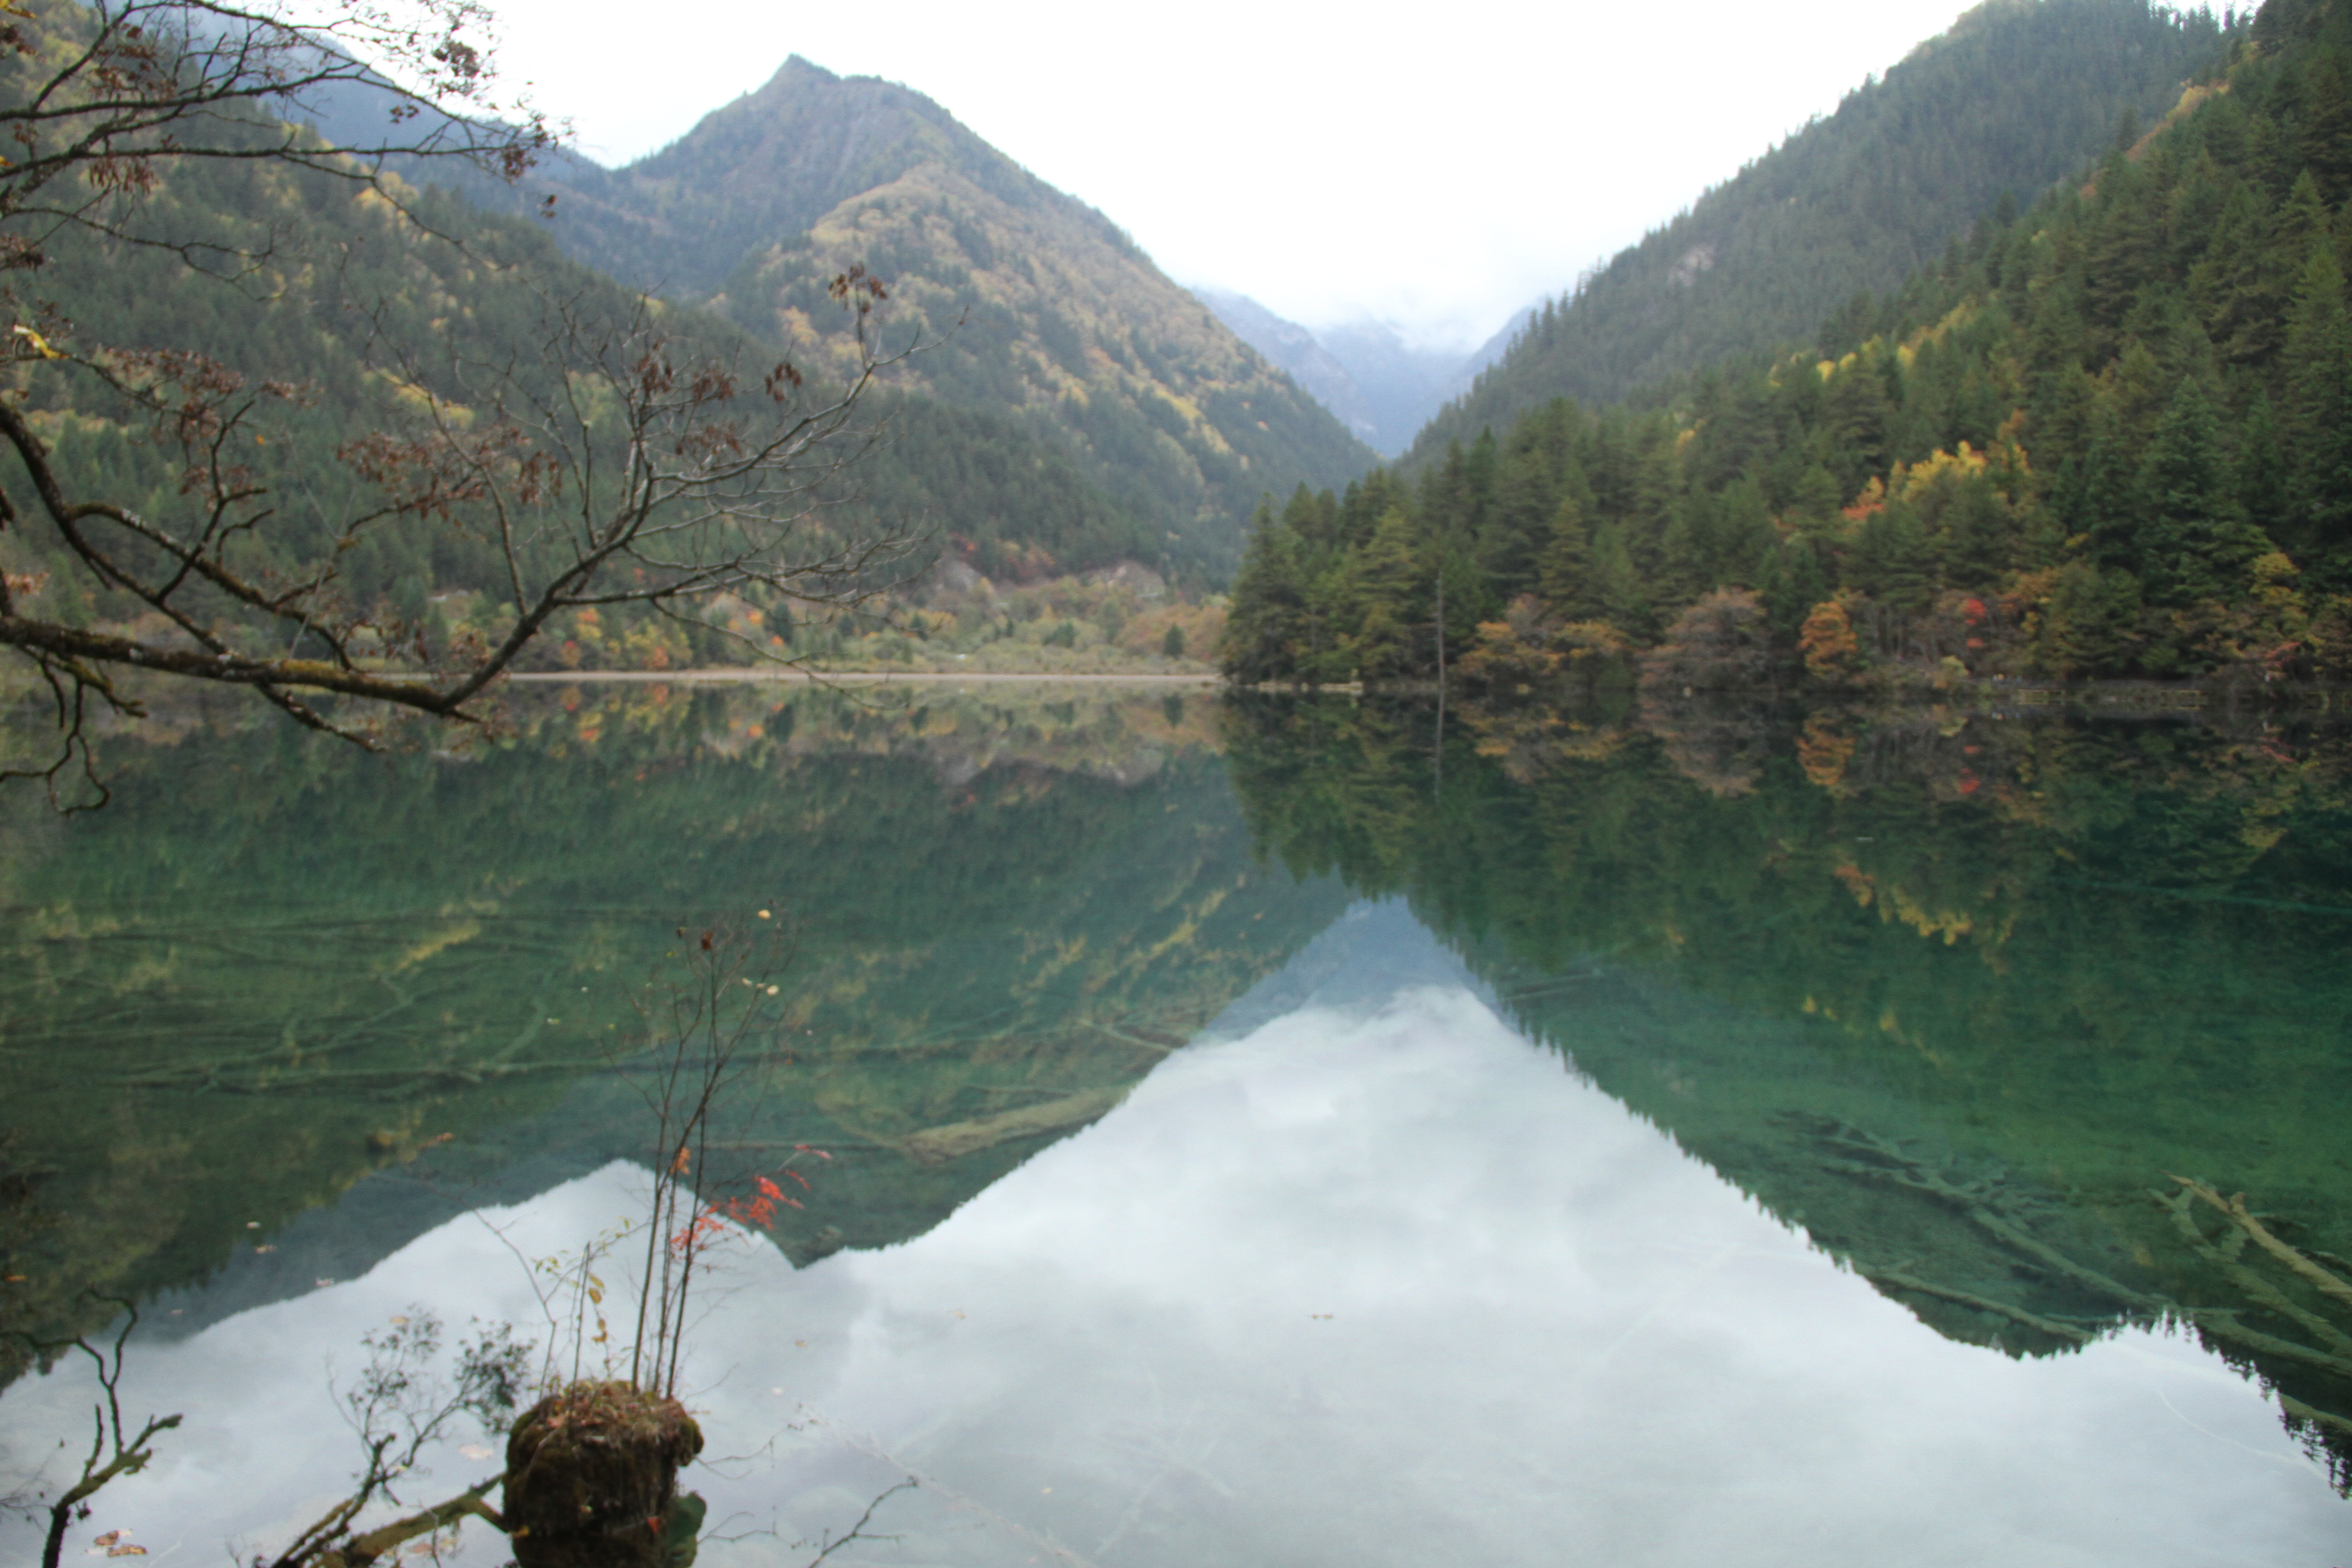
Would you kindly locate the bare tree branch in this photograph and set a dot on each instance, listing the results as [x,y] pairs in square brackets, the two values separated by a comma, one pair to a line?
[111,1453]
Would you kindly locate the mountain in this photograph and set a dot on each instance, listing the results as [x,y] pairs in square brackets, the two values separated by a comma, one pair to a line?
[1466,372]
[1051,328]
[2108,438]
[1382,387]
[2016,95]
[1296,351]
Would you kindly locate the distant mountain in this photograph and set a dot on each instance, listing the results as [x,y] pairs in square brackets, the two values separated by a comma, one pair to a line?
[1061,348]
[2017,94]
[1466,372]
[1382,387]
[1289,347]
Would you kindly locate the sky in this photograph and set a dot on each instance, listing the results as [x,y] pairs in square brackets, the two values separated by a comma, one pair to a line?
[1438,170]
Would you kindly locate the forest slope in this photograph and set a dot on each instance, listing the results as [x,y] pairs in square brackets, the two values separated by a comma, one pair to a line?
[2017,94]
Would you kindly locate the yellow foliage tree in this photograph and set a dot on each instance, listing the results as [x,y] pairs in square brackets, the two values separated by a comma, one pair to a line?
[1831,650]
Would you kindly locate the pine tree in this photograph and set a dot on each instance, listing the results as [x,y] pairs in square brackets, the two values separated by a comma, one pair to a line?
[1565,575]
[2195,543]
[2261,469]
[1975,535]
[1795,580]
[1618,591]
[1265,616]
[2316,425]
[2092,621]
[1389,599]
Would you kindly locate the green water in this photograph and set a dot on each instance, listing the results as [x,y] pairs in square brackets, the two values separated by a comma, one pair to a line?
[1955,997]
[271,969]
[1960,993]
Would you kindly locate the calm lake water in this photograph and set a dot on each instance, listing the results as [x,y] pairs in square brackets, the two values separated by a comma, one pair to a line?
[1260,1131]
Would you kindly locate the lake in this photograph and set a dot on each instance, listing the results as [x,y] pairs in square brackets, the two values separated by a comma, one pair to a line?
[1240,1129]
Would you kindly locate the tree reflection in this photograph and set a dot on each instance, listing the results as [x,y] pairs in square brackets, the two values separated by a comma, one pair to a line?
[1955,991]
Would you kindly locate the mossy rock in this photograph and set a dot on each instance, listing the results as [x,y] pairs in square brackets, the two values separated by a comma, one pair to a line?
[591,1477]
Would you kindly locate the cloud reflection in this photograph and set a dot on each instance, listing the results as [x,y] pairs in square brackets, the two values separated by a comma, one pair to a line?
[1362,1287]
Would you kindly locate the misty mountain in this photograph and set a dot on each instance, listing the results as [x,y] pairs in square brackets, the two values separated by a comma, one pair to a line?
[1380,386]
[1466,372]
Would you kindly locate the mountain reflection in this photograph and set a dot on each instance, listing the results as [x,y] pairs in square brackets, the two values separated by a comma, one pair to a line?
[276,975]
[1961,994]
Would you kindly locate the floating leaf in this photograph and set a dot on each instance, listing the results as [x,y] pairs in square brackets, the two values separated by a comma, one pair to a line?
[109,1538]
[475,1450]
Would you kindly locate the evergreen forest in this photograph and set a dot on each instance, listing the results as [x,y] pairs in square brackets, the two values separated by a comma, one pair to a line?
[2011,98]
[2108,437]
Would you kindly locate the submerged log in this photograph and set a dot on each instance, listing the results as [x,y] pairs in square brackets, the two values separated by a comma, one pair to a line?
[592,1478]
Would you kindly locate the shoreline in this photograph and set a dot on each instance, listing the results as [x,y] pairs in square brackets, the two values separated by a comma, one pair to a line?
[754,675]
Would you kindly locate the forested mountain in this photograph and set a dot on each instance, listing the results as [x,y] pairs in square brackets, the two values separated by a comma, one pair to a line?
[2017,94]
[1062,350]
[2110,437]
[1076,411]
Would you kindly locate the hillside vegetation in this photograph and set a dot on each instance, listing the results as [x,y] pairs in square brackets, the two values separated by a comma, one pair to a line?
[2017,94]
[2110,437]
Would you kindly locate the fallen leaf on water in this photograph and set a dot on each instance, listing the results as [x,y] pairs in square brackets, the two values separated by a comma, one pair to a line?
[109,1538]
[126,1550]
[253,1224]
[322,1284]
[475,1450]
[265,1248]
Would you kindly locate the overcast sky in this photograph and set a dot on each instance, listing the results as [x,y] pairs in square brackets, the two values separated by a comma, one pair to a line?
[1434,167]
